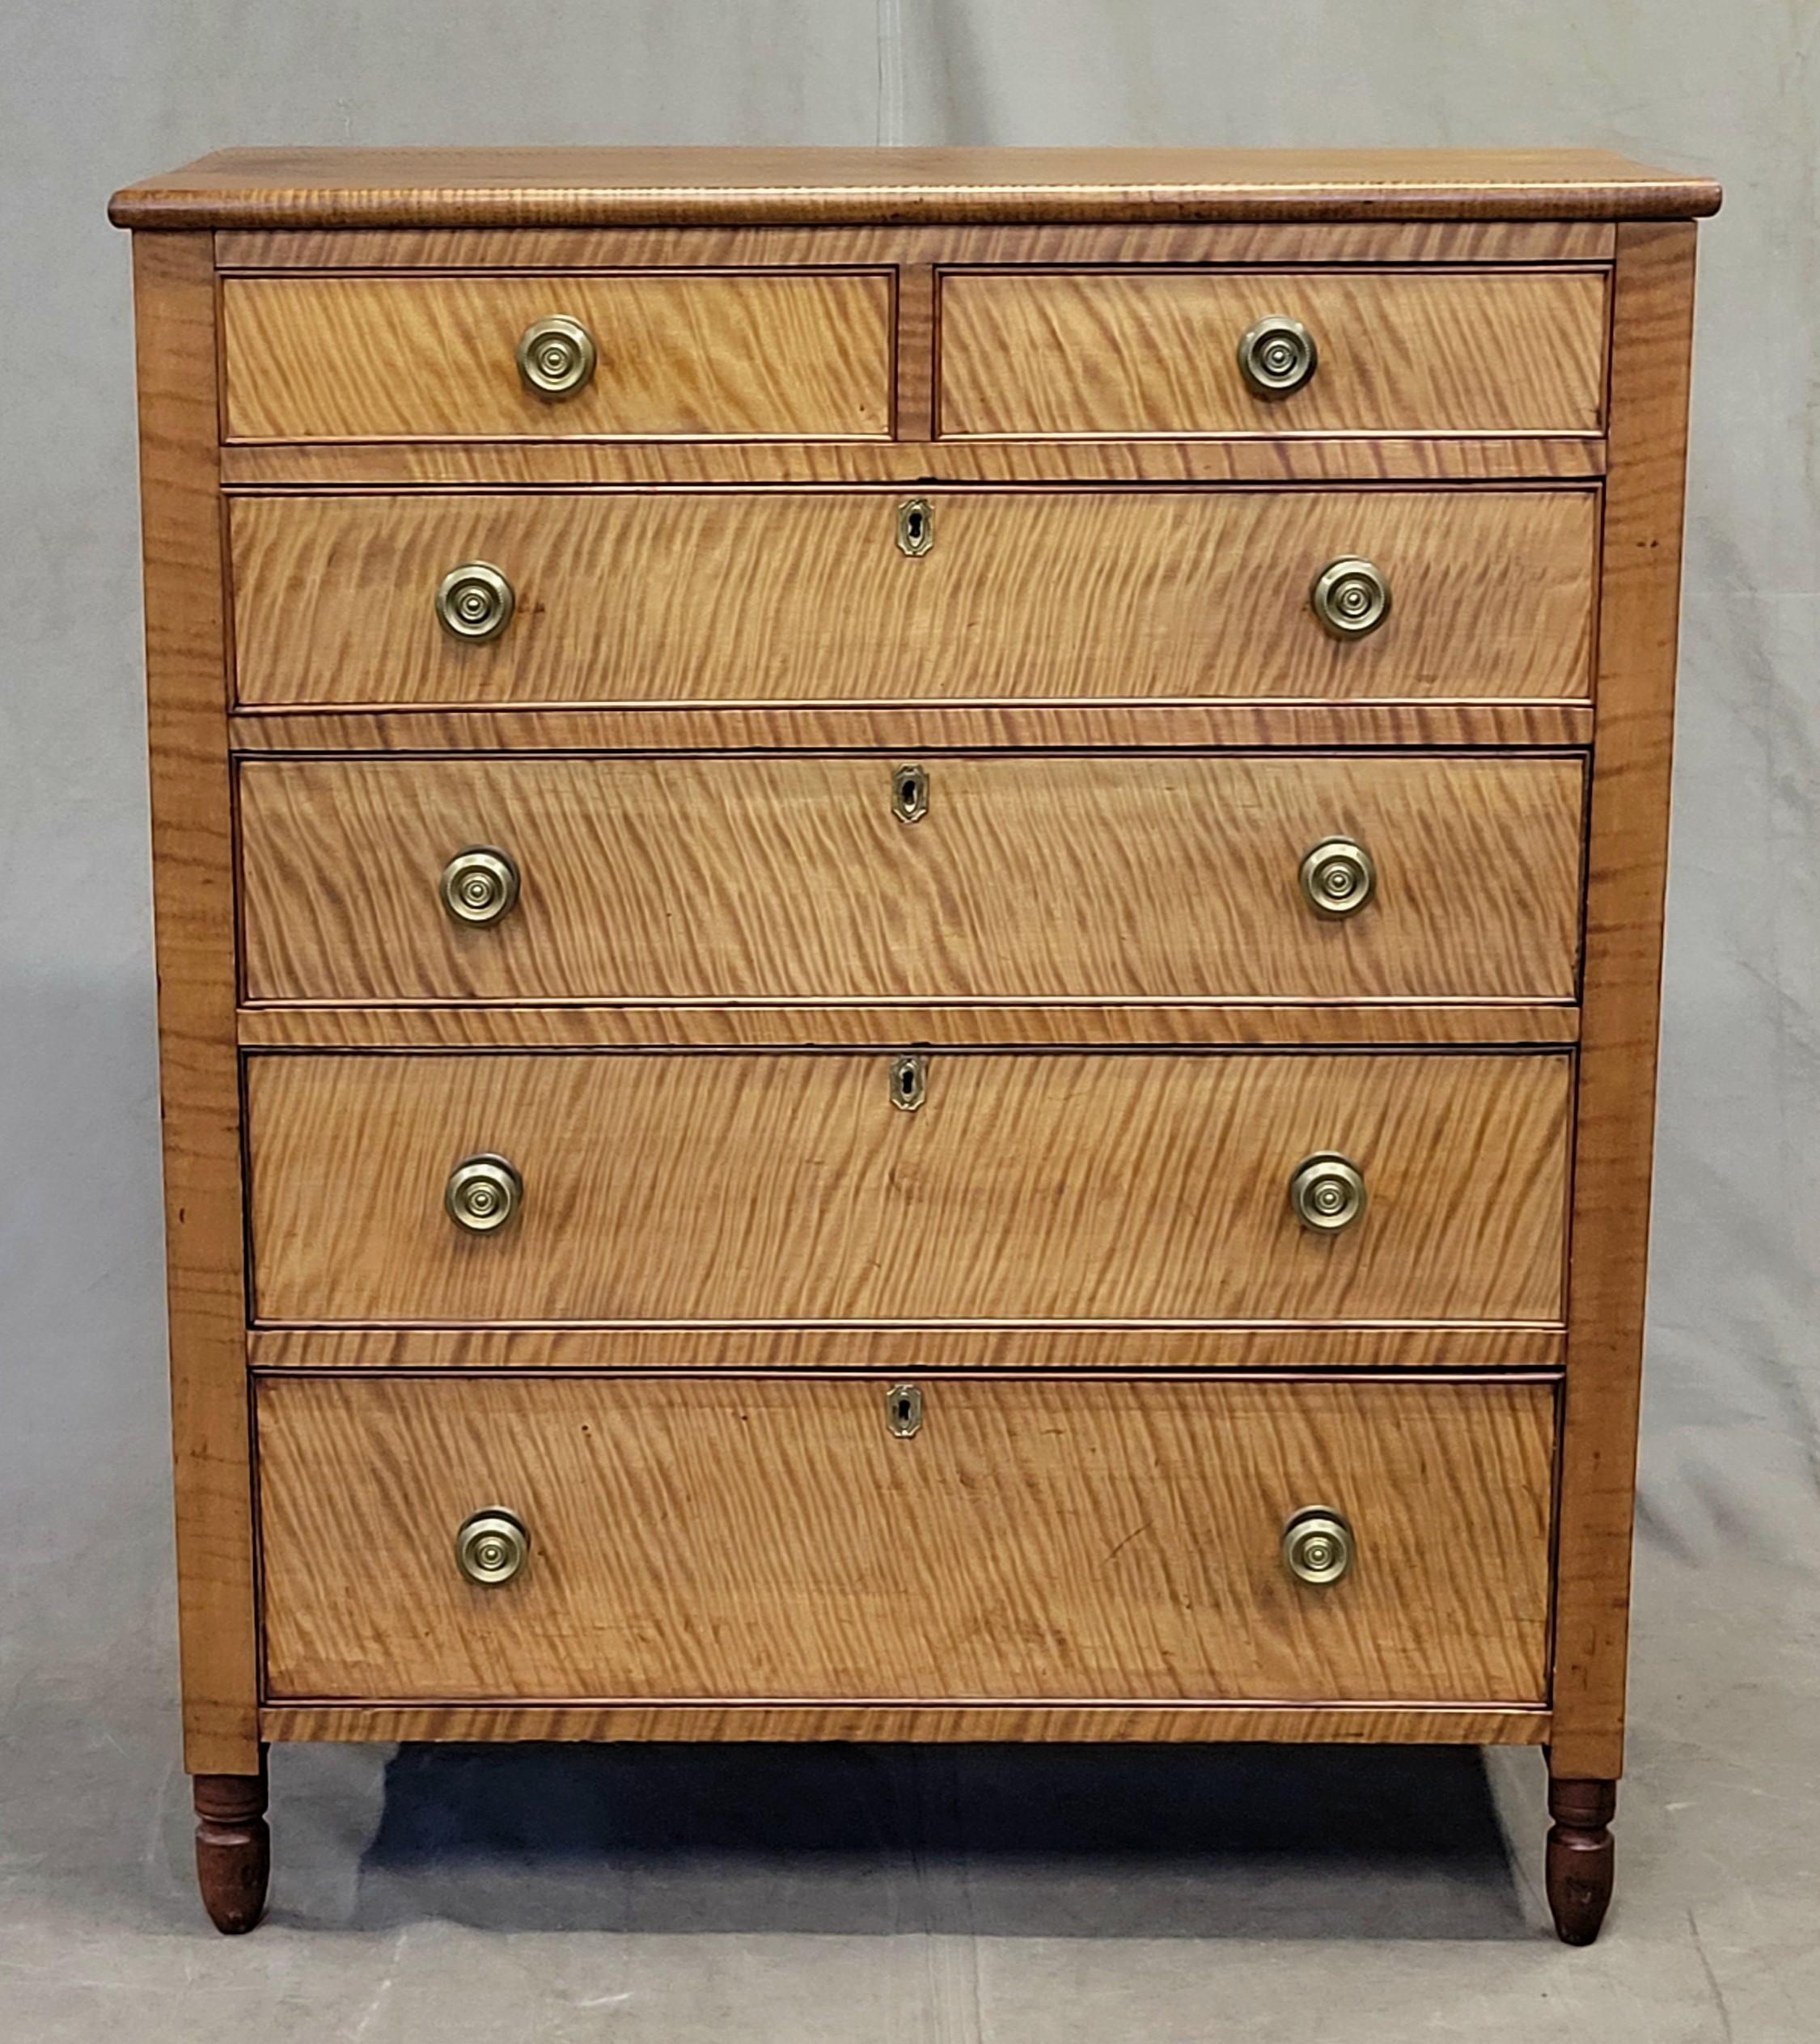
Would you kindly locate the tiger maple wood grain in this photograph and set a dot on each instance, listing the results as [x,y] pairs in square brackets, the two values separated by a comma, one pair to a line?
[407,357]
[1134,351]
[723,1538]
[788,1186]
[693,596]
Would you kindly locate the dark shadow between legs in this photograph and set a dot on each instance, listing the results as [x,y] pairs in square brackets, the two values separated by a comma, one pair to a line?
[1004,1841]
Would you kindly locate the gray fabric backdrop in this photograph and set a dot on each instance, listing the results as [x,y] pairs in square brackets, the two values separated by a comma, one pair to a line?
[1721,1893]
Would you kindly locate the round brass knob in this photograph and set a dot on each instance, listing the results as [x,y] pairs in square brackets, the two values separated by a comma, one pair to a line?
[1338,877]
[1277,356]
[475,602]
[480,886]
[1328,1193]
[556,356]
[1317,1545]
[491,1546]
[483,1194]
[1351,597]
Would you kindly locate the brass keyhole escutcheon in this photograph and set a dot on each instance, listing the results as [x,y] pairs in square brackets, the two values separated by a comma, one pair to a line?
[909,1082]
[909,793]
[904,1410]
[916,527]
[1318,1545]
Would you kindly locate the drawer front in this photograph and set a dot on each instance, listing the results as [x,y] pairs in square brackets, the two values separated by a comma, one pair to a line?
[676,356]
[690,596]
[708,1538]
[1158,352]
[1035,877]
[792,1186]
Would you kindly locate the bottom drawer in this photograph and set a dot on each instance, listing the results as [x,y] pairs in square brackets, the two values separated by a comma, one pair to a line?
[712,1539]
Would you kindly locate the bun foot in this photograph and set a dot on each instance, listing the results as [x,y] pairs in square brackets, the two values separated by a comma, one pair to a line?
[233,1848]
[1580,1856]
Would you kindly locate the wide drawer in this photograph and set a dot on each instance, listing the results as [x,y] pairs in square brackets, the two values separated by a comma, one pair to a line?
[1003,876]
[708,1538]
[676,355]
[794,1186]
[1136,351]
[790,596]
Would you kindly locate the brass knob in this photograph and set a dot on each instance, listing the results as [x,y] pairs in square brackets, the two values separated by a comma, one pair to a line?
[556,356]
[491,1546]
[483,1194]
[1338,877]
[475,602]
[1277,356]
[1351,597]
[480,885]
[1317,1545]
[1328,1193]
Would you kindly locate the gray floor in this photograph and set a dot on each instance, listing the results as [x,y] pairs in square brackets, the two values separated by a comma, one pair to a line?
[889,1894]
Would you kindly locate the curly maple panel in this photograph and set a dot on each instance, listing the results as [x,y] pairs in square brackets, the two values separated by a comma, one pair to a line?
[1047,875]
[715,1538]
[1130,351]
[364,357]
[695,596]
[788,1186]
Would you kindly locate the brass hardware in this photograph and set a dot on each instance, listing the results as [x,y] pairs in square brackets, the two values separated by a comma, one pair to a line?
[556,356]
[1328,1193]
[491,1546]
[1351,597]
[916,526]
[904,1410]
[483,1194]
[1338,877]
[1277,356]
[475,602]
[909,793]
[909,1081]
[1317,1545]
[480,885]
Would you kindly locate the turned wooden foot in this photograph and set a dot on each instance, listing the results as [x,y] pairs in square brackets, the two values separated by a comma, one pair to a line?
[233,1847]
[1580,1856]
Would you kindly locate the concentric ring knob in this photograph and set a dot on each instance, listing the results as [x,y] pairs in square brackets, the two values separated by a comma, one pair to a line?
[483,1194]
[491,1546]
[1317,1545]
[475,602]
[480,886]
[1277,356]
[1338,877]
[1328,1193]
[1350,597]
[556,356]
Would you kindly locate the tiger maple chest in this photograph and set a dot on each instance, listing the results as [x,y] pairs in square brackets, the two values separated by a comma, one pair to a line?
[908,908]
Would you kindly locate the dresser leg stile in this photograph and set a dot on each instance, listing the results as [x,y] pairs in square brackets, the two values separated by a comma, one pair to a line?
[233,1847]
[1581,1859]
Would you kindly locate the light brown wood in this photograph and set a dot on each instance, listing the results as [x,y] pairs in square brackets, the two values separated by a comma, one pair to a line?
[768,1187]
[193,888]
[1626,875]
[981,1024]
[733,355]
[1031,878]
[712,1538]
[1336,1724]
[1130,351]
[673,187]
[690,596]
[869,247]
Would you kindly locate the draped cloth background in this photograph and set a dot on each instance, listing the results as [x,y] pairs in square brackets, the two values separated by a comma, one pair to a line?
[927,1896]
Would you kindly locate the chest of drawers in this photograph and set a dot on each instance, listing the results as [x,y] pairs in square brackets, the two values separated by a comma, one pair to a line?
[908,909]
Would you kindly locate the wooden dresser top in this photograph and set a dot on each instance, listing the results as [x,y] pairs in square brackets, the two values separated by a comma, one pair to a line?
[543,188]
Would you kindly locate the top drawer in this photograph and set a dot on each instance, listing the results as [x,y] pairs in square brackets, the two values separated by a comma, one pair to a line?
[677,355]
[1158,351]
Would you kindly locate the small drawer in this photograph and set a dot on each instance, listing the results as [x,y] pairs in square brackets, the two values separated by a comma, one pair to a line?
[1012,877]
[647,355]
[1185,352]
[708,1538]
[955,595]
[800,1187]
